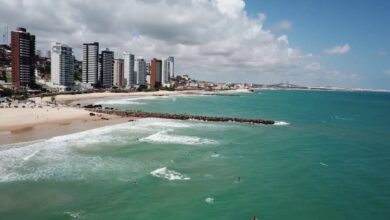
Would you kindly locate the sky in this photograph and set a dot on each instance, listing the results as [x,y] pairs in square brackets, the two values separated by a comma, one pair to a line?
[314,43]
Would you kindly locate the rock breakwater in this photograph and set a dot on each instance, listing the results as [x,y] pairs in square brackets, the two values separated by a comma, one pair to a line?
[142,114]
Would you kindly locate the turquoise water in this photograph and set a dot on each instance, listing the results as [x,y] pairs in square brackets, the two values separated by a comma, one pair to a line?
[331,162]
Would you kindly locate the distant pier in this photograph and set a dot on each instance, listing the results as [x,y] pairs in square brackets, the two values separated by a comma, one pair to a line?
[142,114]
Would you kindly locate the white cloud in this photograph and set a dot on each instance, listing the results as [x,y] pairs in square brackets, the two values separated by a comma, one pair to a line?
[283,25]
[283,39]
[210,39]
[232,8]
[342,49]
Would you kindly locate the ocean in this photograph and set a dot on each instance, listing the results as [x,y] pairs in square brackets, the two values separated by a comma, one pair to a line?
[328,157]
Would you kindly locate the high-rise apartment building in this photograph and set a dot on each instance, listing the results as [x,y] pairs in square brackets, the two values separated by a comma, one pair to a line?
[119,72]
[168,70]
[23,58]
[171,67]
[130,76]
[140,69]
[90,63]
[164,72]
[106,68]
[62,65]
[155,72]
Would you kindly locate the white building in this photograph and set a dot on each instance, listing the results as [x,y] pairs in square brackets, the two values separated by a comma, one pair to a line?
[62,65]
[168,70]
[140,69]
[171,67]
[90,63]
[119,72]
[129,73]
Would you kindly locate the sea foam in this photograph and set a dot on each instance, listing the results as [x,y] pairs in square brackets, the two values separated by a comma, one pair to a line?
[281,123]
[76,156]
[164,138]
[74,214]
[215,155]
[169,174]
[59,157]
[130,101]
[119,102]
[209,200]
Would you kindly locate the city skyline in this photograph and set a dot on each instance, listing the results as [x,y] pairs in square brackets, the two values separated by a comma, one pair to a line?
[222,41]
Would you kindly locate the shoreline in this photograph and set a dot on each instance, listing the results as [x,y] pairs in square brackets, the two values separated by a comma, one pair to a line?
[66,99]
[24,124]
[29,124]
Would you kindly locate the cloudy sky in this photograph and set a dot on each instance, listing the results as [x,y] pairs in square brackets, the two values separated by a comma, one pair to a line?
[340,43]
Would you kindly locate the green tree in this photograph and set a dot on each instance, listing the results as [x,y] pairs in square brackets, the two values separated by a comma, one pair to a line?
[78,75]
[6,92]
[4,75]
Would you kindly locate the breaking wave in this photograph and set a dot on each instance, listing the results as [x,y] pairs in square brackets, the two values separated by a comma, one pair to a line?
[119,102]
[77,156]
[169,174]
[76,214]
[61,157]
[281,123]
[209,200]
[163,137]
[132,101]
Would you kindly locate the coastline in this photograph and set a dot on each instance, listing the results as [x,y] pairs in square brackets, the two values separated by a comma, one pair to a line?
[25,124]
[29,124]
[66,99]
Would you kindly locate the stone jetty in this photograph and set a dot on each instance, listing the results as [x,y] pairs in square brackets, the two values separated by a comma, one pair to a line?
[142,114]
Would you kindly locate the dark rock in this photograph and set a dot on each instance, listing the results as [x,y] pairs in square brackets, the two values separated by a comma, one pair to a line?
[142,114]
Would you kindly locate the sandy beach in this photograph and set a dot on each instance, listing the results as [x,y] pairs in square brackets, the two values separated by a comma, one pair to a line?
[71,98]
[27,124]
[65,99]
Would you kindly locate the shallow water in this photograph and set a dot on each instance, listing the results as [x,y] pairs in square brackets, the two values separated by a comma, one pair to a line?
[328,158]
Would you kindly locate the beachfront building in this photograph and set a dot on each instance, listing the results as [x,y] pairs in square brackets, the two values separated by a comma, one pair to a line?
[140,69]
[164,73]
[168,71]
[62,65]
[23,58]
[171,67]
[148,68]
[130,76]
[106,68]
[155,72]
[90,63]
[119,73]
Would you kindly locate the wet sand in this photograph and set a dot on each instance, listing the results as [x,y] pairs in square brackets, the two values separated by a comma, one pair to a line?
[26,124]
